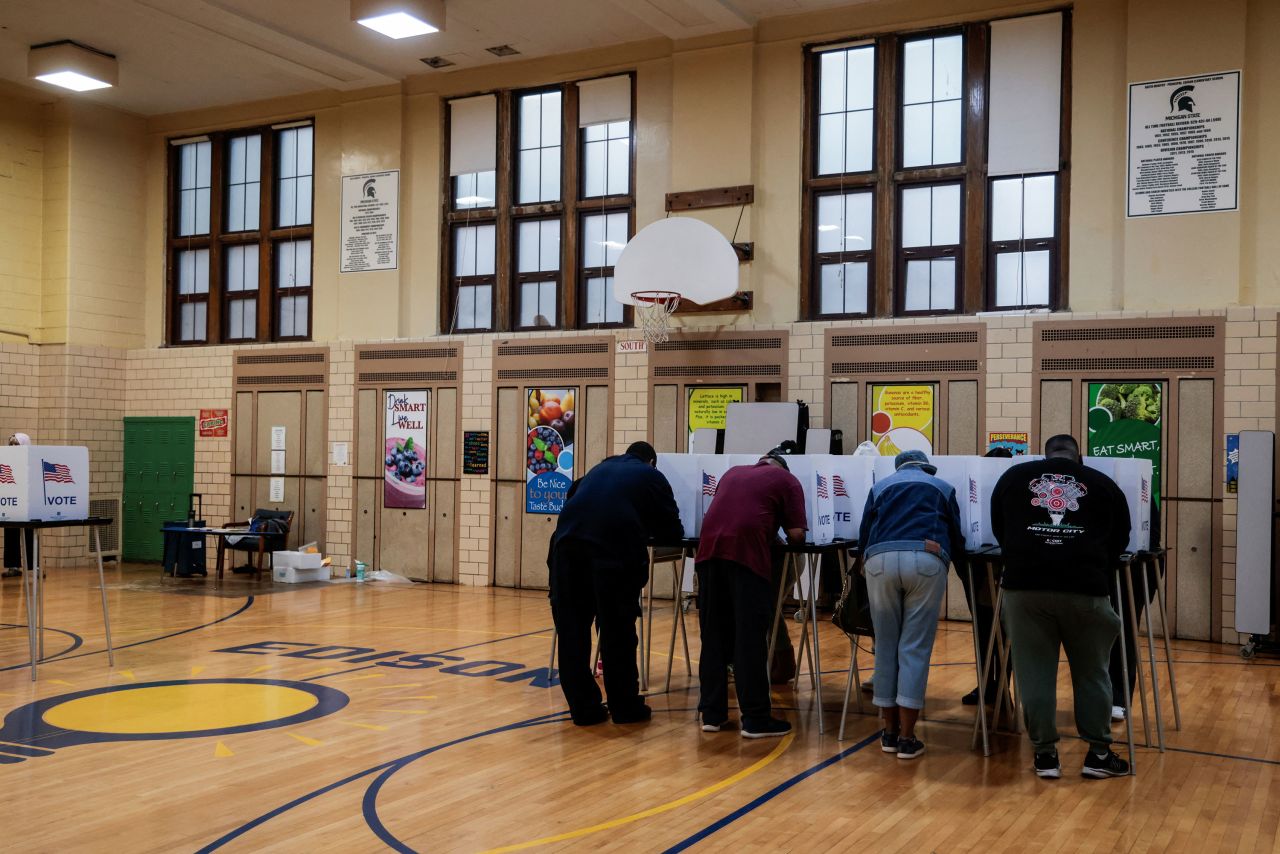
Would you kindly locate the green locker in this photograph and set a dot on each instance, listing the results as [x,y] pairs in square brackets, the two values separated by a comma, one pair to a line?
[159,477]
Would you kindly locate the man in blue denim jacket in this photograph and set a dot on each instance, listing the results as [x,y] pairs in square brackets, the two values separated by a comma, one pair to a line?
[910,531]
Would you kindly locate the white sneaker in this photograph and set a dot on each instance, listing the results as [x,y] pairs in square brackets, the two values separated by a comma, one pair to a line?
[1117,713]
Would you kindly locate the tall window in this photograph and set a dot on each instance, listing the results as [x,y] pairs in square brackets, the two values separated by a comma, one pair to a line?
[924,150]
[240,236]
[528,232]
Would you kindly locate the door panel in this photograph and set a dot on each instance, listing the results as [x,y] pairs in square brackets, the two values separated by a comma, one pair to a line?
[444,462]
[403,541]
[369,457]
[1194,533]
[508,508]
[243,501]
[244,432]
[844,413]
[314,461]
[597,428]
[666,421]
[508,451]
[534,544]
[1055,409]
[443,553]
[279,409]
[366,515]
[962,420]
[313,512]
[292,490]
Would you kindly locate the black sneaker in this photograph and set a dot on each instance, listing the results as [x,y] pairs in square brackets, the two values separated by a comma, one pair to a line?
[634,715]
[770,728]
[714,726]
[1103,766]
[889,742]
[591,717]
[909,748]
[1047,765]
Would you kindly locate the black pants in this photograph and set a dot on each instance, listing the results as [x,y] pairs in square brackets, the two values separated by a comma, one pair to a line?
[735,609]
[587,585]
[1121,697]
[12,555]
[984,618]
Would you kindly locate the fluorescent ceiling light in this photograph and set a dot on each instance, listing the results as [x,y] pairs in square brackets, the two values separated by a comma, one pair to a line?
[613,244]
[399,19]
[72,66]
[473,200]
[826,228]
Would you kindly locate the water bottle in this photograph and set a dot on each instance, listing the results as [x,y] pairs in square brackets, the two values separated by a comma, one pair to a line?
[359,571]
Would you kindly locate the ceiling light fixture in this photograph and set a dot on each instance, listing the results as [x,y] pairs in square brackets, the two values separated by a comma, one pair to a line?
[72,66]
[399,19]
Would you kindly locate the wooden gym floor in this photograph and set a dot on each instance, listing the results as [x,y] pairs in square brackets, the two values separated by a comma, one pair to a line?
[436,728]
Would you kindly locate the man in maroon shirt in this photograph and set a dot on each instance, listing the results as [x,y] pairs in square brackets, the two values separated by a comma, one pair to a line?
[735,606]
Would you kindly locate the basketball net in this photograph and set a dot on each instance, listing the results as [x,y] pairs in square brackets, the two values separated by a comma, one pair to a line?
[653,311]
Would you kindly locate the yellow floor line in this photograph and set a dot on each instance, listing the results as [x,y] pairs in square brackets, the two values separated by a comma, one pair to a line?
[652,811]
[403,711]
[307,740]
[365,726]
[221,751]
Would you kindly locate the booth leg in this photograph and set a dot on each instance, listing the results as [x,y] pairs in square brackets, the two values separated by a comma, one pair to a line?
[777,609]
[1140,681]
[554,636]
[1124,668]
[28,593]
[1168,647]
[1151,657]
[813,566]
[102,587]
[646,631]
[981,722]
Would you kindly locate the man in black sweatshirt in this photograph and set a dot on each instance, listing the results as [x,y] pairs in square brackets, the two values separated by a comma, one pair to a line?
[1062,528]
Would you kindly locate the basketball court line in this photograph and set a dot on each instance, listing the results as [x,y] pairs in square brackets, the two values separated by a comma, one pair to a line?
[439,652]
[76,643]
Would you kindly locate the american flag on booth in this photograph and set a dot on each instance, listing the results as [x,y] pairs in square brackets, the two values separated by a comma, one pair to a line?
[56,472]
[822,487]
[838,482]
[709,483]
[6,474]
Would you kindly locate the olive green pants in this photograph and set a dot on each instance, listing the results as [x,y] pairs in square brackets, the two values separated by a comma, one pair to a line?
[1039,623]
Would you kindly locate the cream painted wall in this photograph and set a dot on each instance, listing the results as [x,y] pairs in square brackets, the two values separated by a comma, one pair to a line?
[1259,176]
[21,215]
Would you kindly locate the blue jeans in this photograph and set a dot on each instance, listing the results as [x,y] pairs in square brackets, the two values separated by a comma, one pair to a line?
[905,592]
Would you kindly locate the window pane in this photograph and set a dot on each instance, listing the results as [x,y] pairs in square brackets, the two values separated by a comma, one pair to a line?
[551,119]
[193,271]
[302,213]
[530,121]
[305,154]
[187,213]
[917,295]
[242,268]
[844,288]
[287,207]
[858,141]
[192,321]
[538,246]
[917,135]
[831,139]
[615,237]
[860,89]
[1022,278]
[474,190]
[235,160]
[242,315]
[530,180]
[942,284]
[946,215]
[1006,209]
[202,211]
[595,133]
[485,250]
[235,207]
[594,168]
[946,132]
[593,241]
[856,231]
[294,173]
[830,223]
[1038,203]
[293,316]
[619,182]
[948,67]
[293,264]
[916,216]
[917,71]
[832,74]
[538,304]
[288,165]
[473,248]
[550,190]
[187,165]
[832,284]
[466,309]
[1008,279]
[601,306]
[204,163]
[1036,278]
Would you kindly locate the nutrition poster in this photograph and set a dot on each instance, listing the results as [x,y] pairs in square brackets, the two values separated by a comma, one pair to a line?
[1184,144]
[405,466]
[902,418]
[1125,420]
[548,457]
[708,407]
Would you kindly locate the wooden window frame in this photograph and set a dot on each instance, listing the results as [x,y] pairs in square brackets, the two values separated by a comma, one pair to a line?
[490,279]
[585,273]
[518,279]
[903,254]
[506,215]
[820,259]
[1052,244]
[219,239]
[887,178]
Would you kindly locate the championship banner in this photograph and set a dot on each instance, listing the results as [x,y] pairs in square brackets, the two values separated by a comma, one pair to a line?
[1125,420]
[708,407]
[405,465]
[902,418]
[549,448]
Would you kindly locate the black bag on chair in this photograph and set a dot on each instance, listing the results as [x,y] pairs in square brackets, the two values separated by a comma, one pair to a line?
[853,610]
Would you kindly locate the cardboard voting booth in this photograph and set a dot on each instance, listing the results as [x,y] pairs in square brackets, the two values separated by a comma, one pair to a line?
[684,473]
[1133,476]
[43,482]
[815,475]
[851,482]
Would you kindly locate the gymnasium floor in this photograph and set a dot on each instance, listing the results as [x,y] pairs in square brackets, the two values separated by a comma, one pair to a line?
[469,750]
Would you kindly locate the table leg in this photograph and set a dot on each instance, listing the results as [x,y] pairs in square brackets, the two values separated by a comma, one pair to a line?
[222,551]
[30,595]
[102,586]
[1168,647]
[800,566]
[813,566]
[1124,670]
[684,626]
[982,671]
[777,611]
[646,629]
[39,579]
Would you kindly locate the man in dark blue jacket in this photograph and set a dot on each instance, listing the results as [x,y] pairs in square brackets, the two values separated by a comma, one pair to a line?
[599,565]
[910,531]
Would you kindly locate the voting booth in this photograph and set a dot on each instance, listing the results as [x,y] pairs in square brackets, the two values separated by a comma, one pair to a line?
[1133,476]
[44,482]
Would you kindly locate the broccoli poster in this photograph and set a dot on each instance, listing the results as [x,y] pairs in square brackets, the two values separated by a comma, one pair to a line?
[1125,421]
[549,449]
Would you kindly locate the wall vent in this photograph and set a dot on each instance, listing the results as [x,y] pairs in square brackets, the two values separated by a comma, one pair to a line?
[721,344]
[892,339]
[943,366]
[717,371]
[554,374]
[278,358]
[299,380]
[1130,363]
[421,353]
[110,534]
[407,376]
[1128,333]
[551,349]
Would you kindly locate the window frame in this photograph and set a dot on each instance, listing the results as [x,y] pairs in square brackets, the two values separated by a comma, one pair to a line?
[820,259]
[1052,244]
[219,239]
[586,274]
[506,214]
[927,253]
[887,179]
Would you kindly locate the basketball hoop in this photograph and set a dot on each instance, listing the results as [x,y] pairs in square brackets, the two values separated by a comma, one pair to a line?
[654,310]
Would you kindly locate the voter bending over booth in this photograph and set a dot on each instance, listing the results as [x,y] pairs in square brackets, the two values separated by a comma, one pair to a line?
[599,565]
[1062,527]
[735,593]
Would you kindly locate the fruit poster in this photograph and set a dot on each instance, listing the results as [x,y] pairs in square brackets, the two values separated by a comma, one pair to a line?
[549,446]
[405,465]
[1125,420]
[902,418]
[709,407]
